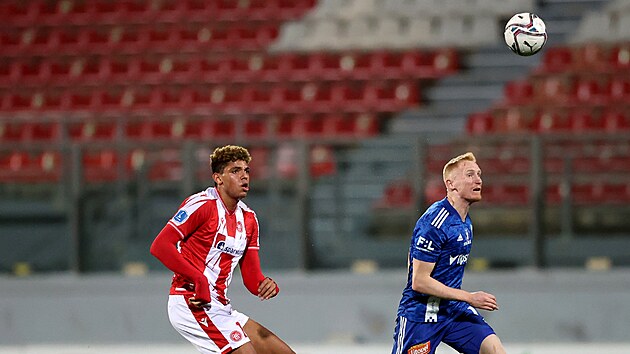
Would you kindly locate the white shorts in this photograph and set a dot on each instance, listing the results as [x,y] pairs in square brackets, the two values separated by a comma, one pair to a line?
[213,330]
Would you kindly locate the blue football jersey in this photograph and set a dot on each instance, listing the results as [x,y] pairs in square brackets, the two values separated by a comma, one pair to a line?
[441,237]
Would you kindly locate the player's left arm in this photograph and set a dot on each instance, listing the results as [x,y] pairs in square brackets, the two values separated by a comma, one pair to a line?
[263,287]
[423,282]
[258,284]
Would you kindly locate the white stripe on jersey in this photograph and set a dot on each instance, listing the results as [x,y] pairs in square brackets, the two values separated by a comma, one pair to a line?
[401,335]
[439,219]
[433,307]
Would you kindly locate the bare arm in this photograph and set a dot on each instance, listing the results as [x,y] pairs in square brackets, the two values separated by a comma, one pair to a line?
[422,282]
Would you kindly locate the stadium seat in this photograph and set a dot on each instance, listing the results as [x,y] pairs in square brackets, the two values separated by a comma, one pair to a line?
[556,60]
[616,121]
[549,121]
[100,166]
[397,194]
[618,90]
[512,120]
[480,123]
[91,129]
[30,167]
[620,57]
[323,161]
[585,121]
[518,92]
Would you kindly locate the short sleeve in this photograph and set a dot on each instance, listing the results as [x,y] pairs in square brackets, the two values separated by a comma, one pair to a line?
[426,243]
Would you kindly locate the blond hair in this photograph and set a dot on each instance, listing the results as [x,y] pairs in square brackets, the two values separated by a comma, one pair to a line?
[450,166]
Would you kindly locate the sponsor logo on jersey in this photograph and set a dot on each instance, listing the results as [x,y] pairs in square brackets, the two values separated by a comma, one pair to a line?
[424,245]
[460,259]
[180,216]
[422,348]
[226,249]
[204,321]
[236,336]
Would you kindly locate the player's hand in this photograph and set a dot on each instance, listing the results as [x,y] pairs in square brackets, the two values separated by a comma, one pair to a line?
[484,301]
[267,289]
[201,298]
[198,303]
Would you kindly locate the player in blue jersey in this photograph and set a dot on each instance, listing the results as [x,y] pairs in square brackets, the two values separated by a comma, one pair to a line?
[434,308]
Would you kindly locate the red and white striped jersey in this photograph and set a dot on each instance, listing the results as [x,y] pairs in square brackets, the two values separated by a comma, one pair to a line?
[213,240]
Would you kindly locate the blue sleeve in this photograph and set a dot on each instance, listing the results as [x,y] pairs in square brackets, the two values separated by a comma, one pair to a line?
[426,243]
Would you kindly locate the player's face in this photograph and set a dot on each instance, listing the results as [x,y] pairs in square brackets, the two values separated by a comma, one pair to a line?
[233,182]
[466,179]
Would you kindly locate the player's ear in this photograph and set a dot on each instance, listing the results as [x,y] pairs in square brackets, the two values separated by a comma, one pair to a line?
[217,178]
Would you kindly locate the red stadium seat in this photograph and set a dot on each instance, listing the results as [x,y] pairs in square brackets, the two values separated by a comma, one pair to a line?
[322,161]
[23,167]
[518,92]
[584,121]
[551,122]
[100,166]
[480,123]
[260,163]
[89,129]
[556,60]
[589,92]
[616,121]
[397,194]
[618,90]
[620,58]
[512,120]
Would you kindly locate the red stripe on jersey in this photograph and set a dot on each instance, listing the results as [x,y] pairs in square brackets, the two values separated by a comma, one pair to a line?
[208,327]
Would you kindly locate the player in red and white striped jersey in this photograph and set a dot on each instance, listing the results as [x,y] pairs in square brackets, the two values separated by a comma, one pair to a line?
[212,232]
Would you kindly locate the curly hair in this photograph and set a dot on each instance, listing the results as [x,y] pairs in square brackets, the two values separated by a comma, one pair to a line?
[223,155]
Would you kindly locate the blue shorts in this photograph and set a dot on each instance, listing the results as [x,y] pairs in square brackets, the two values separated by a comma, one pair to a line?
[464,334]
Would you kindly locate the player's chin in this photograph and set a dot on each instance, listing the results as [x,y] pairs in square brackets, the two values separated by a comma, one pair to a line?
[474,198]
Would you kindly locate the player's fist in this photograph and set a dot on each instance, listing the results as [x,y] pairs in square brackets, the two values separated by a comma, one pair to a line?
[201,297]
[267,289]
[484,301]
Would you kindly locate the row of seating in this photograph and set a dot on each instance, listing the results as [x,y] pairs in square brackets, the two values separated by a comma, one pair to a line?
[389,33]
[358,8]
[165,70]
[399,194]
[289,126]
[568,90]
[513,120]
[141,39]
[111,165]
[90,12]
[388,96]
[586,59]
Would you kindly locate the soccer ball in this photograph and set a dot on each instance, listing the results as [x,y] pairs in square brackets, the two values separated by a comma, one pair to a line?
[525,33]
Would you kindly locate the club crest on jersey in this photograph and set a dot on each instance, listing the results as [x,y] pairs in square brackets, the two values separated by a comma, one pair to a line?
[239,226]
[180,216]
[422,348]
[236,336]
[227,249]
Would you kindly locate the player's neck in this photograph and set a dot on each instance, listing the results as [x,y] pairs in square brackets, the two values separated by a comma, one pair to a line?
[460,205]
[228,202]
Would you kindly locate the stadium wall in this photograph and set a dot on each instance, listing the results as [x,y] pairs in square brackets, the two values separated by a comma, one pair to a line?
[564,306]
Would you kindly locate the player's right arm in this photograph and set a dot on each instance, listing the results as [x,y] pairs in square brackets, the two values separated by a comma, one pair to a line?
[190,216]
[422,282]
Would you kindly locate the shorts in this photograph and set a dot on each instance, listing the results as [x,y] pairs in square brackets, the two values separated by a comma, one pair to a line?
[214,330]
[464,334]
